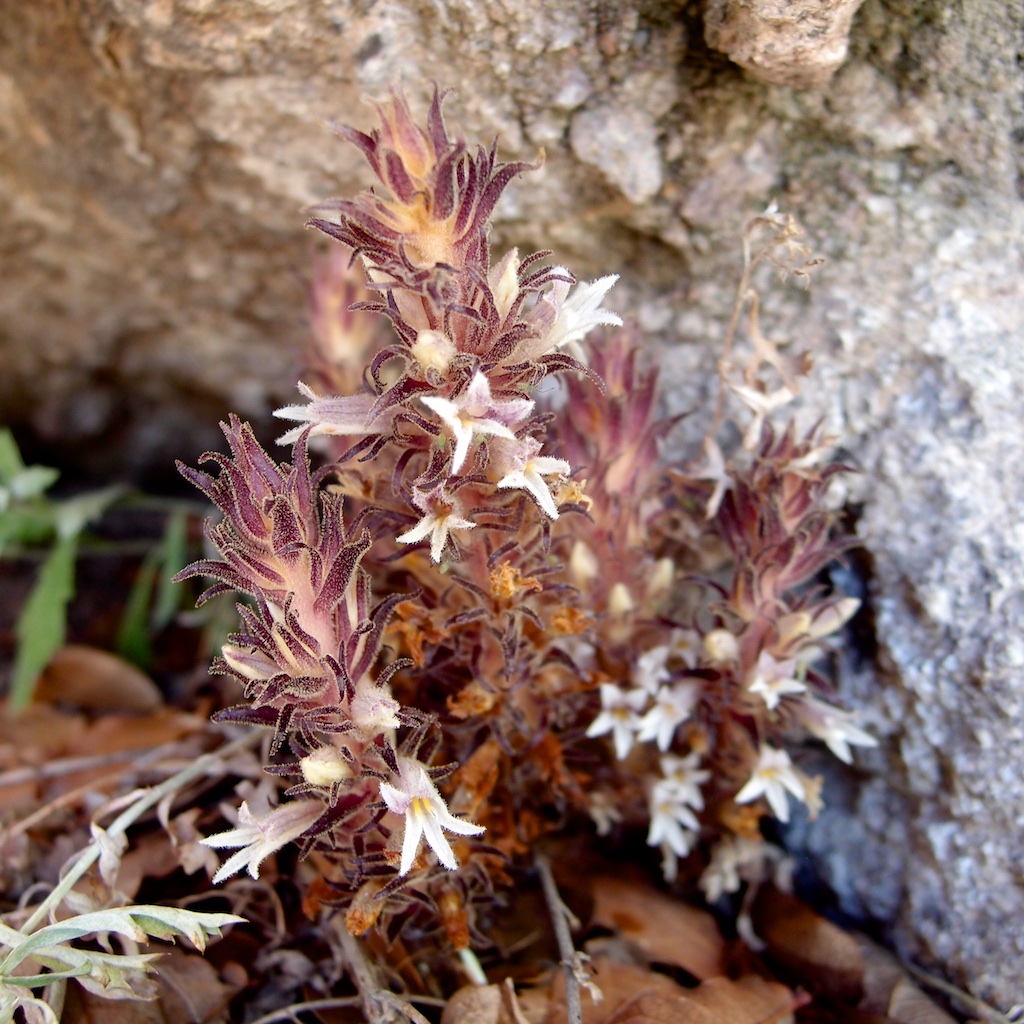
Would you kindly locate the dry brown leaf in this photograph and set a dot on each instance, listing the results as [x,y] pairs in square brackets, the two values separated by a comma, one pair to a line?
[665,929]
[750,1000]
[890,992]
[909,1005]
[37,734]
[96,681]
[809,949]
[619,984]
[151,856]
[116,732]
[81,1007]
[191,990]
[882,972]
[476,1004]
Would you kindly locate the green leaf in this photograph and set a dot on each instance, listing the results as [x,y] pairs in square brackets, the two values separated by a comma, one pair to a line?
[41,625]
[10,458]
[31,482]
[134,923]
[73,515]
[133,634]
[174,558]
[154,599]
[26,525]
[38,980]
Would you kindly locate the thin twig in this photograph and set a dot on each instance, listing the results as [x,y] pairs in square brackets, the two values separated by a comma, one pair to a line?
[379,1004]
[561,916]
[291,1012]
[972,1003]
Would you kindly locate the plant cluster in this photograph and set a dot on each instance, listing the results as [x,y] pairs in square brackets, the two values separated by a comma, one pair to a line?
[494,608]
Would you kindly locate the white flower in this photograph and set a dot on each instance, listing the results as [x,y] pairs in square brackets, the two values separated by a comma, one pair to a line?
[672,822]
[575,314]
[672,705]
[426,814]
[686,645]
[762,406]
[530,473]
[773,776]
[836,727]
[442,515]
[773,679]
[728,861]
[683,777]
[604,812]
[476,412]
[261,836]
[618,716]
[373,709]
[652,669]
[347,415]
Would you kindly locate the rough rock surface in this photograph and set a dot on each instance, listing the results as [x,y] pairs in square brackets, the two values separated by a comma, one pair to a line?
[157,156]
[800,43]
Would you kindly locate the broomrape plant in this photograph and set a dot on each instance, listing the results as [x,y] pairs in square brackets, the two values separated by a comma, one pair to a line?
[477,618]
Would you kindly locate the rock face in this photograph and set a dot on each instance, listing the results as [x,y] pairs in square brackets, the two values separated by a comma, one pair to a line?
[800,43]
[157,157]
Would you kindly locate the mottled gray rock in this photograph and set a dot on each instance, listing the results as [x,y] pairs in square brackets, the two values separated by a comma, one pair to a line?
[157,161]
[622,143]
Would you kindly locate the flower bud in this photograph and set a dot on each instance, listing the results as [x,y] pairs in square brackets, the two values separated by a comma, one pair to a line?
[325,766]
[720,647]
[433,351]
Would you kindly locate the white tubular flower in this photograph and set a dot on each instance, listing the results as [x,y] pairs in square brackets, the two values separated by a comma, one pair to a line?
[683,777]
[618,716]
[837,728]
[773,679]
[652,669]
[672,706]
[373,709]
[476,412]
[532,468]
[261,836]
[729,860]
[442,515]
[604,812]
[426,814]
[773,776]
[575,313]
[347,415]
[672,822]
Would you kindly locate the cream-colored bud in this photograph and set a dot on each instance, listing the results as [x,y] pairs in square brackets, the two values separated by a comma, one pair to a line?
[433,350]
[660,580]
[325,766]
[583,565]
[620,601]
[833,617]
[249,664]
[720,647]
[506,287]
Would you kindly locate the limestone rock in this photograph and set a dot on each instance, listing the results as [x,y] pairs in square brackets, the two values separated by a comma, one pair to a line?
[799,43]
